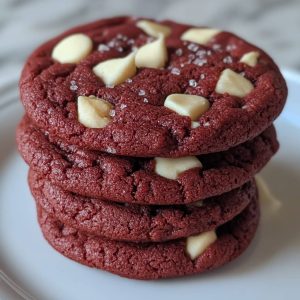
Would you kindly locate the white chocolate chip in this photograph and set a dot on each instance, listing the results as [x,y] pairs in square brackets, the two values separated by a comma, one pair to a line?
[187,105]
[196,245]
[234,84]
[152,55]
[117,70]
[250,58]
[270,205]
[93,112]
[153,29]
[172,167]
[72,48]
[195,124]
[199,35]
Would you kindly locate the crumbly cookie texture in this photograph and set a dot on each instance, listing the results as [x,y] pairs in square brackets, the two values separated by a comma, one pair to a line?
[138,223]
[133,180]
[153,260]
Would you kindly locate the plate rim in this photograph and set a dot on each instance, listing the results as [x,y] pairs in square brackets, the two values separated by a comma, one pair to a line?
[289,75]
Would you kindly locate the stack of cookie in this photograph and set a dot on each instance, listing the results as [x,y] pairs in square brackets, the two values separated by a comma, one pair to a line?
[143,139]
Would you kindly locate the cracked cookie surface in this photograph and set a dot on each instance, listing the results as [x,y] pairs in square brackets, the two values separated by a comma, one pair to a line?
[135,222]
[141,125]
[133,180]
[152,260]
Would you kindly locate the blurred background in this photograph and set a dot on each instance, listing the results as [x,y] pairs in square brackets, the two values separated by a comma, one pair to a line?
[274,25]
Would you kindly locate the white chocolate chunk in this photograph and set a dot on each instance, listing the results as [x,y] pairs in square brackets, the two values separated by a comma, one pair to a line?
[152,55]
[72,48]
[172,167]
[153,29]
[93,112]
[196,245]
[250,58]
[270,205]
[234,84]
[199,35]
[117,70]
[187,105]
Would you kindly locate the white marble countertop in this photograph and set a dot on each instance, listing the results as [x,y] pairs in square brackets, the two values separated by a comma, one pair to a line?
[24,24]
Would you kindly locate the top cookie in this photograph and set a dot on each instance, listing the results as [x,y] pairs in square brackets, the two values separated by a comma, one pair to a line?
[141,88]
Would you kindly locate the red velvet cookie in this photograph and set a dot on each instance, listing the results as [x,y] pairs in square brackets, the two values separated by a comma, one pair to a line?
[241,89]
[135,222]
[133,180]
[152,260]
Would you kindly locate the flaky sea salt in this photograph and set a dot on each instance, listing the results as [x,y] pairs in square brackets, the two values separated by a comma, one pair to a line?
[111,150]
[145,100]
[103,48]
[73,85]
[200,61]
[230,47]
[175,71]
[191,56]
[122,106]
[193,47]
[128,80]
[227,60]
[142,93]
[216,47]
[201,53]
[192,83]
[179,52]
[111,44]
[112,113]
[202,76]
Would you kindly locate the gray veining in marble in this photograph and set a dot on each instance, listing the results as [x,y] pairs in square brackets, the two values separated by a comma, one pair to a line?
[274,25]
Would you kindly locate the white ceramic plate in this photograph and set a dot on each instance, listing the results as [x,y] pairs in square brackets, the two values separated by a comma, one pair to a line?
[270,268]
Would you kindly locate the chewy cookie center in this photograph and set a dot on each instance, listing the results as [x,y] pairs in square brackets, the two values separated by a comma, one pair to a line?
[191,57]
